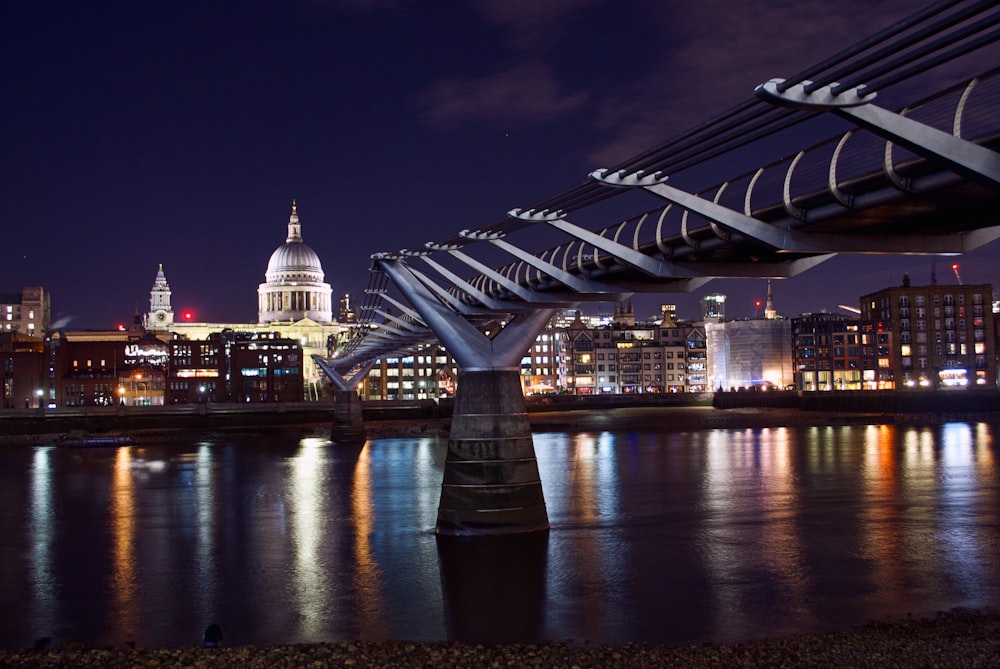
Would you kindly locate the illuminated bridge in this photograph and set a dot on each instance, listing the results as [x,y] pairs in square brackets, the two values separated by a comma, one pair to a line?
[906,162]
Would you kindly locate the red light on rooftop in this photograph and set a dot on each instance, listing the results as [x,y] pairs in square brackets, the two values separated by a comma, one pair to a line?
[120,327]
[188,315]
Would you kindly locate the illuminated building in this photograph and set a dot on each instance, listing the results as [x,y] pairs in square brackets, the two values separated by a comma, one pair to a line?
[294,288]
[831,352]
[625,357]
[28,312]
[104,368]
[312,338]
[540,368]
[198,371]
[713,307]
[235,367]
[428,373]
[294,303]
[265,370]
[346,314]
[750,353]
[943,335]
[747,353]
[161,314]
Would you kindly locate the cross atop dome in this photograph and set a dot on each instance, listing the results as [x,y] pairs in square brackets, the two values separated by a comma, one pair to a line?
[294,229]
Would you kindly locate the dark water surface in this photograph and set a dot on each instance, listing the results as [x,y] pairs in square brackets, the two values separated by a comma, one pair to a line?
[719,535]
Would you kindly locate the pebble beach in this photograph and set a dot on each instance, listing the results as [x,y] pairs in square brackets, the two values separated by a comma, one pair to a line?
[958,639]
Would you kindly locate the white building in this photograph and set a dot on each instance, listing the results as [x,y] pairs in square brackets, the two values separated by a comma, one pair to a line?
[747,354]
[294,288]
[161,314]
[293,302]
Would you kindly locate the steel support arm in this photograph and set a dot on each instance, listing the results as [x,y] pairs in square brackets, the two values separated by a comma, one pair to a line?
[404,308]
[489,302]
[340,381]
[574,282]
[781,239]
[473,350]
[625,254]
[393,331]
[965,157]
[520,291]
[412,327]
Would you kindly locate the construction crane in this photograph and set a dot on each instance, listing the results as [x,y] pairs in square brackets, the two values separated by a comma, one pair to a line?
[954,268]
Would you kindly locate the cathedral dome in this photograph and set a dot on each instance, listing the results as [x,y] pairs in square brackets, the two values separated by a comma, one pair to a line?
[294,260]
[294,288]
[294,257]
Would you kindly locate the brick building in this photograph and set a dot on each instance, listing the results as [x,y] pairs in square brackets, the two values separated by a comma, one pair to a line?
[942,335]
[831,352]
[23,371]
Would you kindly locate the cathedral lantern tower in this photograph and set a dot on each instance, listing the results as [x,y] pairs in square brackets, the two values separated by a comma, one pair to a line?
[294,289]
[161,314]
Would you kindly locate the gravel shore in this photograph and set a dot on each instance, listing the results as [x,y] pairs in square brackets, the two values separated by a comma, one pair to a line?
[960,639]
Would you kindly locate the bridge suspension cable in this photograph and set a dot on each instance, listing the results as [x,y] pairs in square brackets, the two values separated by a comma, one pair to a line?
[935,35]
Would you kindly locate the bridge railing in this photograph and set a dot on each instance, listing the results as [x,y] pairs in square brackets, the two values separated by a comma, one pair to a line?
[827,181]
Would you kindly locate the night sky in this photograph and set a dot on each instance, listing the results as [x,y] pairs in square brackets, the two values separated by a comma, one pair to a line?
[139,133]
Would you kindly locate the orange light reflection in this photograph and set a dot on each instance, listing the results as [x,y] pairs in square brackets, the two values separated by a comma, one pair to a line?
[123,579]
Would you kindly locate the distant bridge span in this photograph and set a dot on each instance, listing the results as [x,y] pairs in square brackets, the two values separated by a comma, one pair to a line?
[924,179]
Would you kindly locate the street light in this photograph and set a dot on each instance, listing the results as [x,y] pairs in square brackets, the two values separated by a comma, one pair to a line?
[38,394]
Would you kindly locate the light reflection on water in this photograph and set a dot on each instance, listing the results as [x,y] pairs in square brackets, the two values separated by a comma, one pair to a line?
[41,521]
[663,538]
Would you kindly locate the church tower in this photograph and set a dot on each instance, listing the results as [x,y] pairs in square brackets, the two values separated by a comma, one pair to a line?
[161,314]
[769,311]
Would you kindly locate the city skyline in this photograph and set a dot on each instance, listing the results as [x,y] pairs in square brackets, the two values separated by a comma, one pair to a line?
[180,135]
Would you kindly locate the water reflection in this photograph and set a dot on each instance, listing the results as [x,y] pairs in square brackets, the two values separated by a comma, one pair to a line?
[123,559]
[752,535]
[664,538]
[208,519]
[307,501]
[369,600]
[882,533]
[960,532]
[41,535]
[583,507]
[495,587]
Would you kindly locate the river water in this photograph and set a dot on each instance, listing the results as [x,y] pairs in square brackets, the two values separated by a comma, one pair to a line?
[669,538]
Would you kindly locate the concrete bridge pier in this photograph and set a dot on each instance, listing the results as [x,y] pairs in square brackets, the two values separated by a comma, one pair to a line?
[491,483]
[348,423]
